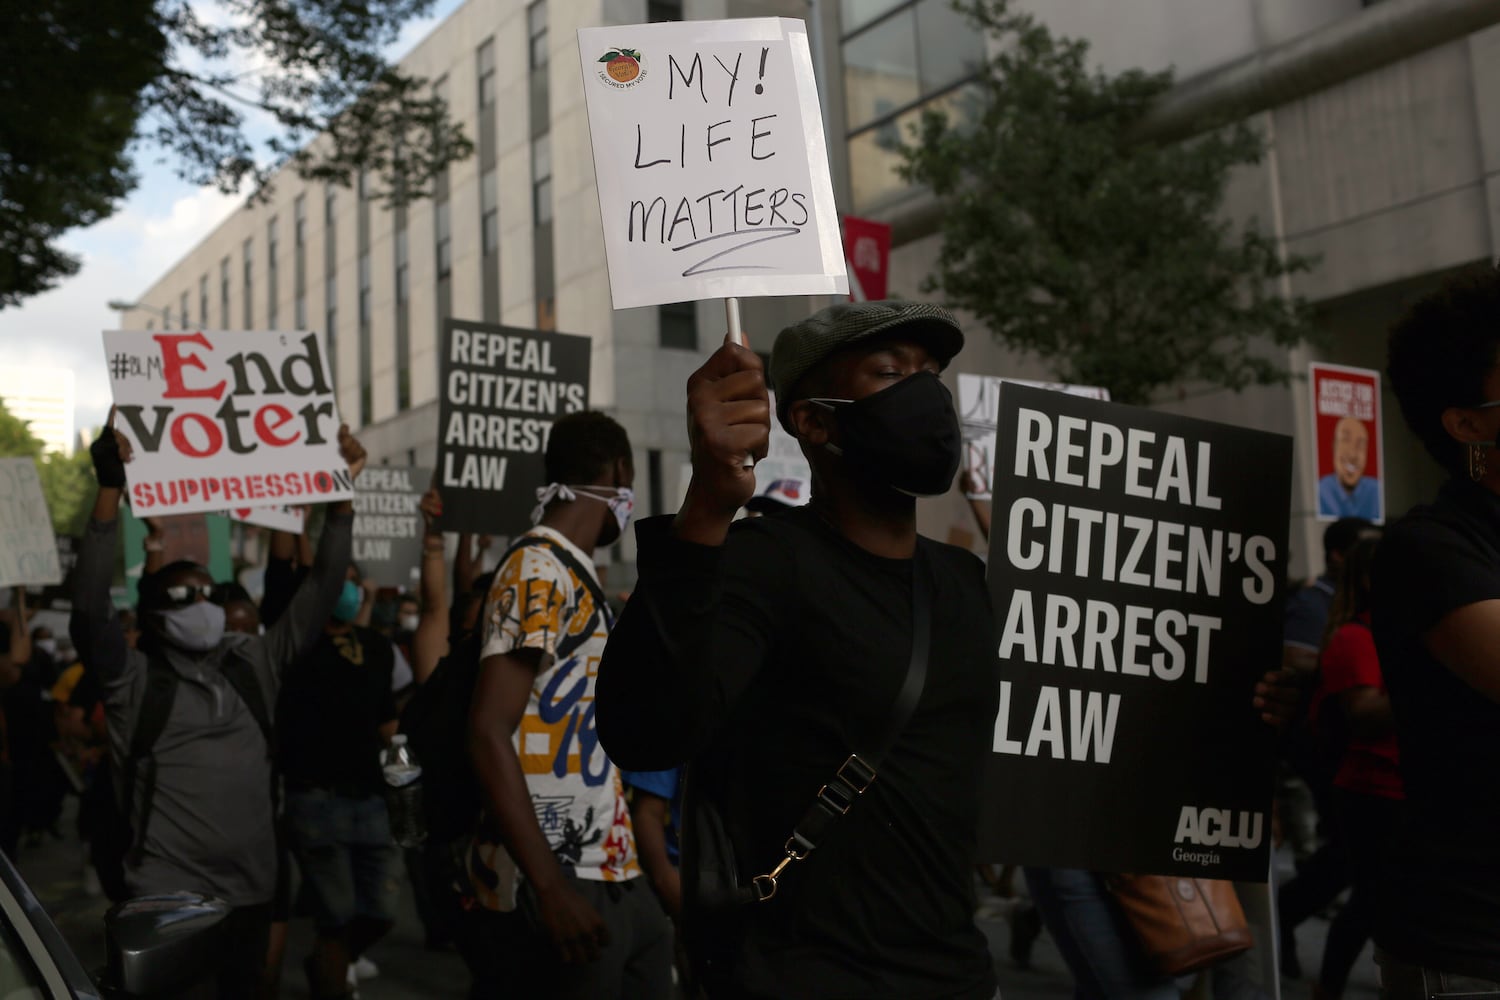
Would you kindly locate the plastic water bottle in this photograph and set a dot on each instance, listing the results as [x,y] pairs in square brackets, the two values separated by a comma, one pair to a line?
[403,792]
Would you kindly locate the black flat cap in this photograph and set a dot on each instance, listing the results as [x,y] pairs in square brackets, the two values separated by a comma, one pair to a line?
[801,346]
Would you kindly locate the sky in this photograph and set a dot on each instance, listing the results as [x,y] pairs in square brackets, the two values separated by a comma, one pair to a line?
[122,256]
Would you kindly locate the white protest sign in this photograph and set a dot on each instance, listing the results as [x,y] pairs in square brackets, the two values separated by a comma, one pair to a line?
[28,549]
[711,162]
[224,419]
[978,410]
[277,517]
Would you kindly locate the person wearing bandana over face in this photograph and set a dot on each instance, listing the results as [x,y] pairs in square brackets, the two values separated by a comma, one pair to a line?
[336,711]
[766,653]
[558,892]
[199,794]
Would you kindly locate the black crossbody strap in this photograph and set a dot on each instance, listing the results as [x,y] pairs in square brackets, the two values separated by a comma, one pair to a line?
[859,771]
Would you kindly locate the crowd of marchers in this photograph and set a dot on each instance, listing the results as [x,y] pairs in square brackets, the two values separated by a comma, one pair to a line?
[756,775]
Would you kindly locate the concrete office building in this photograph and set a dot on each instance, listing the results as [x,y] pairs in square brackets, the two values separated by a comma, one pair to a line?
[1384,124]
[1385,127]
[43,397]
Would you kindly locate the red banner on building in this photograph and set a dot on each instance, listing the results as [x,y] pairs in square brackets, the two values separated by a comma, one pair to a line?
[867,249]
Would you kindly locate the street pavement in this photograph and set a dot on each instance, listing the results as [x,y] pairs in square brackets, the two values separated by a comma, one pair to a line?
[409,971]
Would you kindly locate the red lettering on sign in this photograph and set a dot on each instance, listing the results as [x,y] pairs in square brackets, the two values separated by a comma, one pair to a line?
[210,430]
[267,430]
[174,361]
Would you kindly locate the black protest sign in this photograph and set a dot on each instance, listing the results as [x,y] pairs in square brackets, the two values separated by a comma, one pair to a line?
[1135,563]
[388,522]
[502,390]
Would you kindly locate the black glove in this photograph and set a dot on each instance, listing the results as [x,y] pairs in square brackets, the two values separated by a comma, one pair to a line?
[109,469]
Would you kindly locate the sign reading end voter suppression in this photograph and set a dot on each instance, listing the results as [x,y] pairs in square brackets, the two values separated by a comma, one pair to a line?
[224,419]
[710,160]
[1135,567]
[502,390]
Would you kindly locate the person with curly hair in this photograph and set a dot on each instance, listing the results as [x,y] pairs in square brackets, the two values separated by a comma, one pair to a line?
[1436,618]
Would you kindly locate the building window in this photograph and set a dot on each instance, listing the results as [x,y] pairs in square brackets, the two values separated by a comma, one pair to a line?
[329,205]
[541,179]
[536,30]
[271,291]
[299,221]
[203,301]
[364,290]
[299,310]
[489,207]
[249,266]
[486,58]
[402,268]
[679,325]
[186,322]
[331,320]
[224,294]
[444,237]
[166,318]
[366,362]
[901,58]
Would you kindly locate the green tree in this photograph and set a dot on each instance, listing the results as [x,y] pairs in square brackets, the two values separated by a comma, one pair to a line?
[1102,253]
[67,480]
[84,79]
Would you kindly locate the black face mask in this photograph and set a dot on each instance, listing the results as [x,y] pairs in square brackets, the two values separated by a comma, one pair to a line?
[906,437]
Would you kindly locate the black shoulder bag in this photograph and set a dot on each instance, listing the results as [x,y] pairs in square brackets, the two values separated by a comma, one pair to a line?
[711,876]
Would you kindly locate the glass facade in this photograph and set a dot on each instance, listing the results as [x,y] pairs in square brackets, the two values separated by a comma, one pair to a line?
[901,58]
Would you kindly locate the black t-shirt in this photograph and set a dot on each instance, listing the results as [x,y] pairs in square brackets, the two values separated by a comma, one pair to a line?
[768,661]
[332,704]
[1440,901]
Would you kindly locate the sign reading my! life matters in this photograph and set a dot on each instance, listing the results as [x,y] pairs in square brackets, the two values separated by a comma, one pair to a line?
[1135,567]
[710,160]
[225,418]
[502,389]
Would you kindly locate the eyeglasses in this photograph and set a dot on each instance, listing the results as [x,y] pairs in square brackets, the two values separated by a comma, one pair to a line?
[187,593]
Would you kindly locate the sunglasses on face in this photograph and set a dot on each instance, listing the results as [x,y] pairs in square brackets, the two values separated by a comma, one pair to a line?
[187,593]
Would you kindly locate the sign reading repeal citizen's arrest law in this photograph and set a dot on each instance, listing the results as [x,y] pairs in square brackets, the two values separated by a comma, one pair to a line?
[1135,563]
[502,390]
[388,522]
[710,160]
[223,419]
[28,549]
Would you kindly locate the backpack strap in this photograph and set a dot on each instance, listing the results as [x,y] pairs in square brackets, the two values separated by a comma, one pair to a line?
[150,722]
[859,771]
[156,708]
[241,677]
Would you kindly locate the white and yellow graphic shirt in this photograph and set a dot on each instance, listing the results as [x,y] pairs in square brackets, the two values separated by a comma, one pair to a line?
[538,602]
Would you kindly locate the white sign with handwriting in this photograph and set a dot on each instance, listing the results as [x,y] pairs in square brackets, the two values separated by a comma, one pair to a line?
[710,160]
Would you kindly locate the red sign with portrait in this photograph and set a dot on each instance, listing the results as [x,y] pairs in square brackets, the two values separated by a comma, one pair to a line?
[867,250]
[1346,423]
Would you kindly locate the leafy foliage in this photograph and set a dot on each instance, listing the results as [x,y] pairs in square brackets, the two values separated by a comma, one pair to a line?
[1104,254]
[69,104]
[200,80]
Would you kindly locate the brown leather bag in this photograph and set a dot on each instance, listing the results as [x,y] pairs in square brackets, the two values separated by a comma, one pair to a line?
[1184,924]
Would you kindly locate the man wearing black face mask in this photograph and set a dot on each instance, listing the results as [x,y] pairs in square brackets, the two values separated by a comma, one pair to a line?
[767,655]
[188,714]
[556,884]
